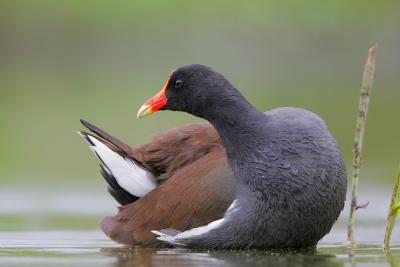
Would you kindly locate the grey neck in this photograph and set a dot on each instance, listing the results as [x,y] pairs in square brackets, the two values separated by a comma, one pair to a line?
[239,124]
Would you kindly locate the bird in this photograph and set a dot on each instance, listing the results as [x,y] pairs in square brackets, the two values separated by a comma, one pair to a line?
[243,179]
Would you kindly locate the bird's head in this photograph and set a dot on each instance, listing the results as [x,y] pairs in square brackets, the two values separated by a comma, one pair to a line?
[194,89]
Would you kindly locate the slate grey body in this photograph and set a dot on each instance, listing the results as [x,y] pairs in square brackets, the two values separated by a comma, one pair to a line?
[290,175]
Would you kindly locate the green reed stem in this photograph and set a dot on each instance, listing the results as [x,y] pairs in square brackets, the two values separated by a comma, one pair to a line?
[393,211]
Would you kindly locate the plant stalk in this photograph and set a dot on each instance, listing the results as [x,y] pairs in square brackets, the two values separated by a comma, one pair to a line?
[393,211]
[365,94]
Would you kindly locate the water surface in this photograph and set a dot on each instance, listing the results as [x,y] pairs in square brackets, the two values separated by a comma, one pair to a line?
[48,227]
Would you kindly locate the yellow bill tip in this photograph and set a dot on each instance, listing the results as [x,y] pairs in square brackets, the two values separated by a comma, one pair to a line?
[143,111]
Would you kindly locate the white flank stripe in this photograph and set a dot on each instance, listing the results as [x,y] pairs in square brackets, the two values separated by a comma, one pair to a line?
[232,207]
[173,240]
[187,234]
[200,230]
[129,175]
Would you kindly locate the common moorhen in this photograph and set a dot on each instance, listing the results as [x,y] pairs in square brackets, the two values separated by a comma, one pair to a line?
[247,180]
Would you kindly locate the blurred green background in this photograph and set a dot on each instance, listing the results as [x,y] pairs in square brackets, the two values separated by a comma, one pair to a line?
[100,60]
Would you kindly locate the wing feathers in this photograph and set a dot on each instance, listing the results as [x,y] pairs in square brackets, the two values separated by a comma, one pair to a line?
[131,177]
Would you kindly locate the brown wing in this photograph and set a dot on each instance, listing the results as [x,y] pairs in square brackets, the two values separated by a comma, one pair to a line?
[167,152]
[197,184]
[195,195]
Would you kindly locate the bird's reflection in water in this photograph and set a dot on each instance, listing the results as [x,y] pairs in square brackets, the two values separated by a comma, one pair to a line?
[183,257]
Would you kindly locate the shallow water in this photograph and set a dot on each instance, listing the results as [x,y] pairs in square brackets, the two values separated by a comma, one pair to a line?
[48,227]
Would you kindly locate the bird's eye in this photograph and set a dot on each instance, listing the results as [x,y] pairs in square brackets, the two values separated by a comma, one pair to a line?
[178,83]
